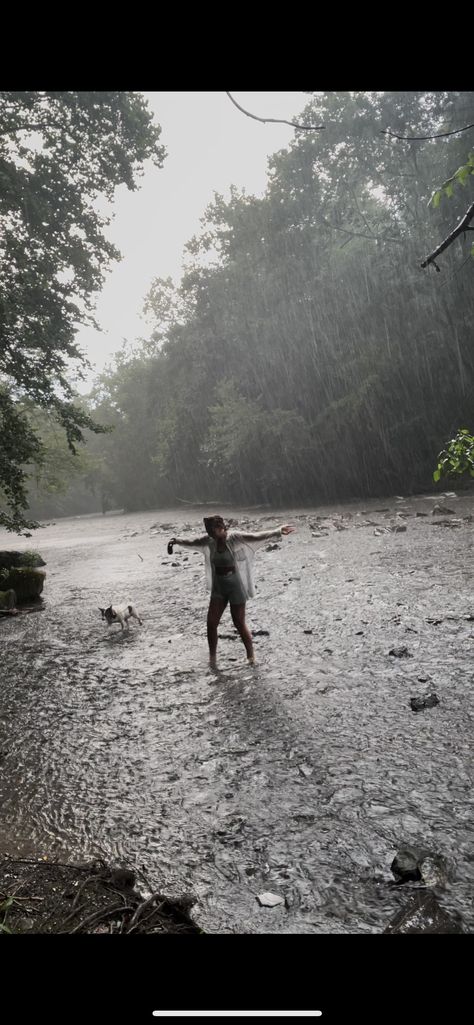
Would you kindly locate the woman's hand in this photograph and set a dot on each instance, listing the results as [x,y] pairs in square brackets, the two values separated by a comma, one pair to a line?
[287,529]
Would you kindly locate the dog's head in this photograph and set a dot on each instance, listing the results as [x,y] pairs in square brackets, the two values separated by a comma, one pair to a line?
[108,614]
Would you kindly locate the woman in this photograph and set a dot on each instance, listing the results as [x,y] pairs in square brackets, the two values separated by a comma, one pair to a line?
[228,562]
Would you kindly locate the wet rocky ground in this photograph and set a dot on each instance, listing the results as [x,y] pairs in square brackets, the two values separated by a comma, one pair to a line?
[301,778]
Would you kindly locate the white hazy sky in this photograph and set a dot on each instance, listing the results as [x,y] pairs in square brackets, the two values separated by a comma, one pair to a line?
[211,145]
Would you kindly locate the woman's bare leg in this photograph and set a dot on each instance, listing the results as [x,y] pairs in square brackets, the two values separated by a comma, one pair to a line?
[214,616]
[238,616]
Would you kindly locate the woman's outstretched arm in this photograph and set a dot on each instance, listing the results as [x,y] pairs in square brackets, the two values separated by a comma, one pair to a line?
[266,535]
[191,542]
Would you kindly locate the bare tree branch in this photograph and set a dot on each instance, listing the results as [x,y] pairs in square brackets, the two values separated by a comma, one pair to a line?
[462,226]
[420,138]
[276,120]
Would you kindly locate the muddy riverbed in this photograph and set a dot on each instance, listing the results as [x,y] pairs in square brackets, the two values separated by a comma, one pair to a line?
[301,777]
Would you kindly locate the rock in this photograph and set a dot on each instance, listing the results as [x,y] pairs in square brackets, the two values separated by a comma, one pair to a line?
[305,770]
[448,523]
[399,528]
[441,510]
[122,878]
[423,914]
[7,599]
[25,581]
[9,559]
[260,633]
[401,652]
[421,514]
[272,548]
[307,631]
[269,900]
[434,870]
[419,865]
[428,701]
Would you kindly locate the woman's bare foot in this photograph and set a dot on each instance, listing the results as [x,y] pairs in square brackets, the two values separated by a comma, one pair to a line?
[251,661]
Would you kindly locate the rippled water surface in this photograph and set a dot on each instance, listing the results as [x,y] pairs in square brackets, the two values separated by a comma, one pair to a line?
[301,777]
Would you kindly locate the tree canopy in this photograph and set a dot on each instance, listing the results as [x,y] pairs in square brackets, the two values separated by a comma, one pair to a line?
[305,355]
[60,154]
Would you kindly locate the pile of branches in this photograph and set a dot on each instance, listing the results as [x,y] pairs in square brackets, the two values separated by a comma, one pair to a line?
[53,897]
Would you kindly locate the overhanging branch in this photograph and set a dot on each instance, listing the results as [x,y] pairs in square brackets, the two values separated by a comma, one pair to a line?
[276,120]
[458,230]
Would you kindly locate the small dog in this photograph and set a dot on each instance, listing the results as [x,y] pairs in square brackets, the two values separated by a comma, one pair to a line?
[116,615]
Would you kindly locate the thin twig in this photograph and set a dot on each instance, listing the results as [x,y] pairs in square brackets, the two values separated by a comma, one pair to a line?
[456,271]
[146,918]
[96,917]
[145,903]
[81,887]
[421,138]
[73,914]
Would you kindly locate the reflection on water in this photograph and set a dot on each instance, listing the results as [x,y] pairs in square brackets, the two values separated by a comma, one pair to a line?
[301,777]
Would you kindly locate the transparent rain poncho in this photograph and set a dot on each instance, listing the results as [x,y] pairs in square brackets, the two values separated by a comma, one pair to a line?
[243,547]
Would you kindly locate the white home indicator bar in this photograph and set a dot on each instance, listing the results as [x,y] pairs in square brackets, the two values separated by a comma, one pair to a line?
[237,1014]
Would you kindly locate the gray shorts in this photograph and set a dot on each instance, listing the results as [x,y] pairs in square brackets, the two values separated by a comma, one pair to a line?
[228,588]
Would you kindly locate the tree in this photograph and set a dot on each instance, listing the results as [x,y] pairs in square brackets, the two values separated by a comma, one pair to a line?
[60,153]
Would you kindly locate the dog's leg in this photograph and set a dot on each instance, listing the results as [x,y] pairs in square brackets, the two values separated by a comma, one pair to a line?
[133,613]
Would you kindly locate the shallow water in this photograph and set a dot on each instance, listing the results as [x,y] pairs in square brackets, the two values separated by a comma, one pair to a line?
[301,777]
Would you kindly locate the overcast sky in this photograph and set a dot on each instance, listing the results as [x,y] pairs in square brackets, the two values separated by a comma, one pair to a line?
[211,145]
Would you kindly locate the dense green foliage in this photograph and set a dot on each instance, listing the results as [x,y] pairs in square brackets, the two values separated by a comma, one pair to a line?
[460,177]
[305,356]
[457,458]
[59,153]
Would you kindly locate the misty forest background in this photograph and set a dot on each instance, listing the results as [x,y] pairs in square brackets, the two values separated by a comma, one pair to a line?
[305,355]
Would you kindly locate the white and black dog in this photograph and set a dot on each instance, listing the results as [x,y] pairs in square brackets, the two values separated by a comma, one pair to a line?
[120,615]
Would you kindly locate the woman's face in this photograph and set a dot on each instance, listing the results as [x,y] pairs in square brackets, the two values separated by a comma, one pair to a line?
[220,532]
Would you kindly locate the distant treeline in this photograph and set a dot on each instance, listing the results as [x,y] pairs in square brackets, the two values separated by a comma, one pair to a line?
[305,355]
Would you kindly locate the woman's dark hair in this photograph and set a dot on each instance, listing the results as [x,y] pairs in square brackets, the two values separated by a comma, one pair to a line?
[211,522]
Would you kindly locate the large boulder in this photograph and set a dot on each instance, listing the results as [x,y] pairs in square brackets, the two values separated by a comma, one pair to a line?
[7,599]
[26,582]
[28,558]
[19,573]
